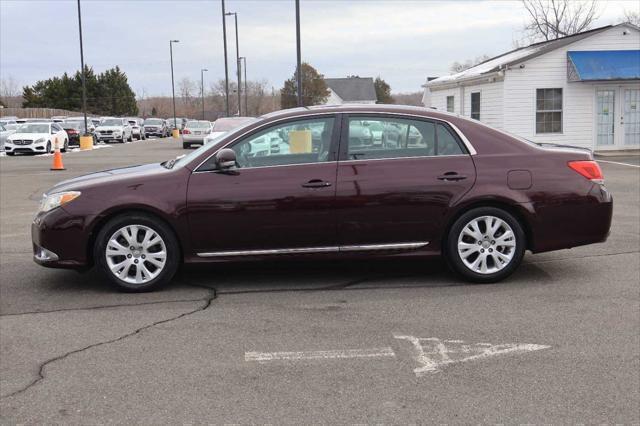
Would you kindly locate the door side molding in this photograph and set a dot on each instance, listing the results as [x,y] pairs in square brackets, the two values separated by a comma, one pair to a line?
[312,250]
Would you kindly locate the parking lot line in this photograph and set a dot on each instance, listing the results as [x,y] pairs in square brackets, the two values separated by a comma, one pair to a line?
[621,164]
[262,357]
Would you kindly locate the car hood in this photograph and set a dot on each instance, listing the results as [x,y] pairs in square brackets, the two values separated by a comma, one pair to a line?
[109,128]
[33,136]
[96,178]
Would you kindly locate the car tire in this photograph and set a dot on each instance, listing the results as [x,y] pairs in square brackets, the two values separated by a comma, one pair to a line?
[186,145]
[485,245]
[48,150]
[11,154]
[134,281]
[65,146]
[130,138]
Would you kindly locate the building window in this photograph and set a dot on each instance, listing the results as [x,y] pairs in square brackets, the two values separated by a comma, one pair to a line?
[548,110]
[450,107]
[475,105]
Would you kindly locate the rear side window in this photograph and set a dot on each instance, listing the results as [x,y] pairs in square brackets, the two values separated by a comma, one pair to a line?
[377,138]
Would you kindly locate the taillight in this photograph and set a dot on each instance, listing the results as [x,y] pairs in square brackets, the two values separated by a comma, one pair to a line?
[589,169]
[186,132]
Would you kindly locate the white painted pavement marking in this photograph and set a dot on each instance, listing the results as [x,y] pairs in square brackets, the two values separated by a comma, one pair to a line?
[263,357]
[433,354]
[621,164]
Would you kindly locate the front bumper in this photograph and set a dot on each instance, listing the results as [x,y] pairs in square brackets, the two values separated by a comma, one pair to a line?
[60,240]
[29,149]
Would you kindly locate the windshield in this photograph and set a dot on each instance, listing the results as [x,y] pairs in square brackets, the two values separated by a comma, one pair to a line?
[154,121]
[198,124]
[112,122]
[33,128]
[211,145]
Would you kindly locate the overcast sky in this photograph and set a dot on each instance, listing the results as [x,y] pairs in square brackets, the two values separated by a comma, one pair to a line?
[402,41]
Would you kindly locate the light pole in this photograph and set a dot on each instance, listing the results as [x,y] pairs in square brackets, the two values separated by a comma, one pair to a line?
[235,15]
[299,64]
[246,103]
[202,88]
[173,90]
[226,66]
[84,82]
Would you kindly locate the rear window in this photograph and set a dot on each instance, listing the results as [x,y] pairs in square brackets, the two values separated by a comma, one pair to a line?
[154,121]
[198,124]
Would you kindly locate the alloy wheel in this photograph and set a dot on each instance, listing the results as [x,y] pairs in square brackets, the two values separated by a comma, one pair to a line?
[136,254]
[486,244]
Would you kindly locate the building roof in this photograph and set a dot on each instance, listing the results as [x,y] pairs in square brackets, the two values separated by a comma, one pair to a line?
[353,88]
[517,56]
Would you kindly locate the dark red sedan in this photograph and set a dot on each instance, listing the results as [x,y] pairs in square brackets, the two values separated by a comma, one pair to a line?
[331,181]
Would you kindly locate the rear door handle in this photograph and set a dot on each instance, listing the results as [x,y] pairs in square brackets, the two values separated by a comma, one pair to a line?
[316,183]
[451,176]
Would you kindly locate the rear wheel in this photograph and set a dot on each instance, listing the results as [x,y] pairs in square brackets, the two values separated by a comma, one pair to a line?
[186,145]
[65,146]
[485,245]
[137,252]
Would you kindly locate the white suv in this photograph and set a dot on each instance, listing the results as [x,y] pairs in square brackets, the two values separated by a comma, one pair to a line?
[114,129]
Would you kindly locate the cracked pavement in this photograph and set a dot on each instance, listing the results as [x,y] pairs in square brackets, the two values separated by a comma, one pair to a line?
[74,351]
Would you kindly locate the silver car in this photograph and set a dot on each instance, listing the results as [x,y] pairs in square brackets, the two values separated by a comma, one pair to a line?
[5,132]
[194,132]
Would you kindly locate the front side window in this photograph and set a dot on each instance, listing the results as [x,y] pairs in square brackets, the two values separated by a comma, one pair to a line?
[297,142]
[548,110]
[475,105]
[450,103]
[376,138]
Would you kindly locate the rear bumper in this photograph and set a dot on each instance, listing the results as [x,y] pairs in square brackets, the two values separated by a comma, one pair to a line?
[573,222]
[193,138]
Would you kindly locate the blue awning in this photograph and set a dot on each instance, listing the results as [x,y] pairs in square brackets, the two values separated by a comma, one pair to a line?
[599,65]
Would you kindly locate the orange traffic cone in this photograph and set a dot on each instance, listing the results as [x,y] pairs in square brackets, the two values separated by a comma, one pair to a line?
[57,157]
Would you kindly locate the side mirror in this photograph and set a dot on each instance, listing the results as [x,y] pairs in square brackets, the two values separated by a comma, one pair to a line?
[225,159]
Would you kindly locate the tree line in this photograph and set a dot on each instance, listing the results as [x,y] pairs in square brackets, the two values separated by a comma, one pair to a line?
[108,93]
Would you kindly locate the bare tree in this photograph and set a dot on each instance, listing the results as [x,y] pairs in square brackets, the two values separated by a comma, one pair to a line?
[632,17]
[551,19]
[461,66]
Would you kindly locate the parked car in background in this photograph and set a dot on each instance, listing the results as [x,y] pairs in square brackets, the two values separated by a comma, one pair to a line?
[179,124]
[224,125]
[114,129]
[75,129]
[465,191]
[155,127]
[36,138]
[7,121]
[58,118]
[194,132]
[94,120]
[137,127]
[4,134]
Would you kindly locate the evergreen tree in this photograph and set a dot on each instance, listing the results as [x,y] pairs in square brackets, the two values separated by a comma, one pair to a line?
[314,88]
[383,91]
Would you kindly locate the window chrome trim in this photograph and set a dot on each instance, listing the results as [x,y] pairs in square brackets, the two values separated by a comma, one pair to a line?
[309,250]
[455,128]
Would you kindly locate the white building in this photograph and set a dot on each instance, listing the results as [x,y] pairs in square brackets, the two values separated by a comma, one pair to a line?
[351,90]
[581,90]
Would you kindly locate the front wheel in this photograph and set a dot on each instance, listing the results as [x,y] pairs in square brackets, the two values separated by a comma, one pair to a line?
[137,252]
[485,245]
[48,149]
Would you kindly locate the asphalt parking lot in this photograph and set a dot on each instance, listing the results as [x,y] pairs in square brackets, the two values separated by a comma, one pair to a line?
[322,342]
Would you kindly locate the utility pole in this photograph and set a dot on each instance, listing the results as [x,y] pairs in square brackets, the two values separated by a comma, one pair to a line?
[202,88]
[235,16]
[84,79]
[246,102]
[299,63]
[173,90]
[226,66]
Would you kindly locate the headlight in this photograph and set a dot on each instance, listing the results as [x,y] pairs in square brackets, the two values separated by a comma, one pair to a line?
[41,140]
[51,201]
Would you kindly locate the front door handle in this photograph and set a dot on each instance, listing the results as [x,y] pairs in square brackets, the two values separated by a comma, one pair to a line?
[316,183]
[451,176]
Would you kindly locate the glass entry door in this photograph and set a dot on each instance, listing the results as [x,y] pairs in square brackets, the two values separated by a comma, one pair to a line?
[605,116]
[631,116]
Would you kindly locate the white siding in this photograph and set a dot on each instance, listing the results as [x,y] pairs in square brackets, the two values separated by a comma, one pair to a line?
[550,71]
[333,98]
[491,95]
